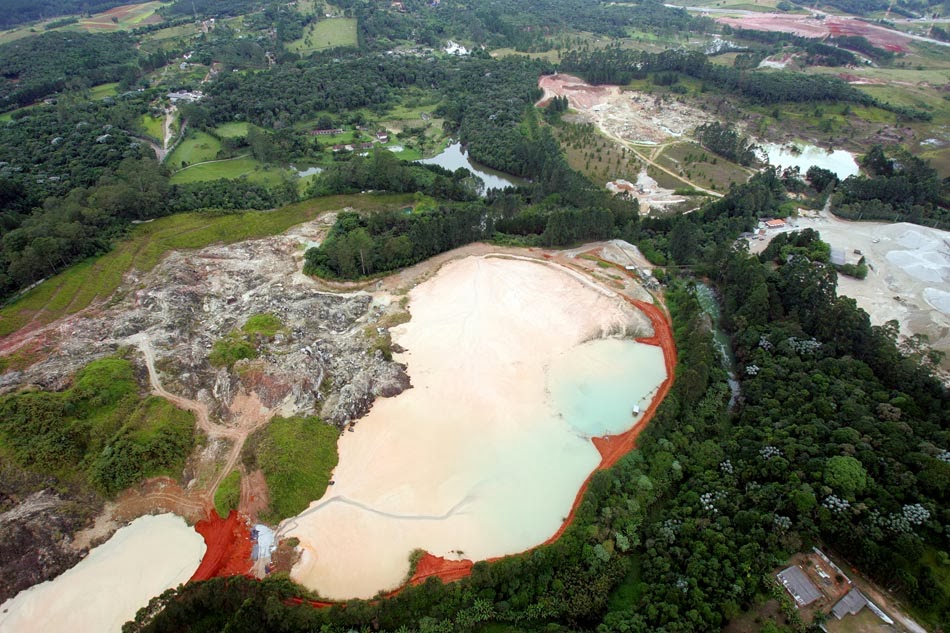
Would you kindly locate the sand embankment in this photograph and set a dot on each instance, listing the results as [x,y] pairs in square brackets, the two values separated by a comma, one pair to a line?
[474,462]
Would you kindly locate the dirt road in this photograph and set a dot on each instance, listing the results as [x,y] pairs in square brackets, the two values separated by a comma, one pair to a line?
[246,420]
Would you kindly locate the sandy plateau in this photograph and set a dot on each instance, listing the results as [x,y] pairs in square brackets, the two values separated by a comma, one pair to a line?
[909,280]
[476,460]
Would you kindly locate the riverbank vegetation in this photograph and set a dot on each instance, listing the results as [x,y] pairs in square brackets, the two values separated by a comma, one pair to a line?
[900,187]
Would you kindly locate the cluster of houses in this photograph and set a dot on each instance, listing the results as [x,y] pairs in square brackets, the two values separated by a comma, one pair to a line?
[766,225]
[381,137]
[185,96]
[802,582]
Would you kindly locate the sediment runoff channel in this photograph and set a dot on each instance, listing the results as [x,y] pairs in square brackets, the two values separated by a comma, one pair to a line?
[515,365]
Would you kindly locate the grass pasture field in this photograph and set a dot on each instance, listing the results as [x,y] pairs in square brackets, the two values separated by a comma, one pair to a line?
[235,129]
[168,38]
[123,18]
[153,127]
[596,156]
[701,166]
[197,147]
[102,91]
[297,456]
[97,279]
[8,116]
[230,169]
[126,17]
[864,621]
[327,33]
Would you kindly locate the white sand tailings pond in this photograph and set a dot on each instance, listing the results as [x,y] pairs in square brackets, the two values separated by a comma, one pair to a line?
[910,276]
[115,580]
[484,456]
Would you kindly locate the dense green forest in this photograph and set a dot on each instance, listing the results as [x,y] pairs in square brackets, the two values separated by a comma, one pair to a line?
[36,67]
[727,142]
[900,188]
[523,25]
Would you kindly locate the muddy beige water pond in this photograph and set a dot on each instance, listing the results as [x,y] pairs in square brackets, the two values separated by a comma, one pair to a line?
[514,365]
[115,580]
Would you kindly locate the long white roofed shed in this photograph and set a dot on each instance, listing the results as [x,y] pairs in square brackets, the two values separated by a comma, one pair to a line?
[798,585]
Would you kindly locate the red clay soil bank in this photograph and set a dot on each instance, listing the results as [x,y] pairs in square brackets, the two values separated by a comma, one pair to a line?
[448,570]
[229,547]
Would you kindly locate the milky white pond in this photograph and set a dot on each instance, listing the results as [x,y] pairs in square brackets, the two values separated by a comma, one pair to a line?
[514,365]
[838,161]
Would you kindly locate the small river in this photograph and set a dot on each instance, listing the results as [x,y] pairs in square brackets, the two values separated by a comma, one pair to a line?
[454,156]
[710,304]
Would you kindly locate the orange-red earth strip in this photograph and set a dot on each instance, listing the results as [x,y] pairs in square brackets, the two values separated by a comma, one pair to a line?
[229,547]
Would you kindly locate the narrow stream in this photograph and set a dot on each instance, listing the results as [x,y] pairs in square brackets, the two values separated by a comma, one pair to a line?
[710,304]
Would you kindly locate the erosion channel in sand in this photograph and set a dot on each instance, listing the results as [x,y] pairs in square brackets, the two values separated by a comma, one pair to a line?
[515,364]
[106,588]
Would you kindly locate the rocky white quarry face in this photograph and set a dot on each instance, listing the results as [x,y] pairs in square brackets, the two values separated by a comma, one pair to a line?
[321,365]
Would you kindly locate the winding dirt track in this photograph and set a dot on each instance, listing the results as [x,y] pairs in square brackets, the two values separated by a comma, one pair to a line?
[235,434]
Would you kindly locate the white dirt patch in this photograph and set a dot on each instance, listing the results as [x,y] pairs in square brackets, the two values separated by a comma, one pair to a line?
[633,116]
[107,587]
[910,276]
[647,192]
[938,299]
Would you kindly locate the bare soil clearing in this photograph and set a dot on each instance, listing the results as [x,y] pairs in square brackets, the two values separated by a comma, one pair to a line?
[809,26]
[168,319]
[642,123]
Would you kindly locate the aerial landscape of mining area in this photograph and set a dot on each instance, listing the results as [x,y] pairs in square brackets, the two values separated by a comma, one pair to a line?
[498,316]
